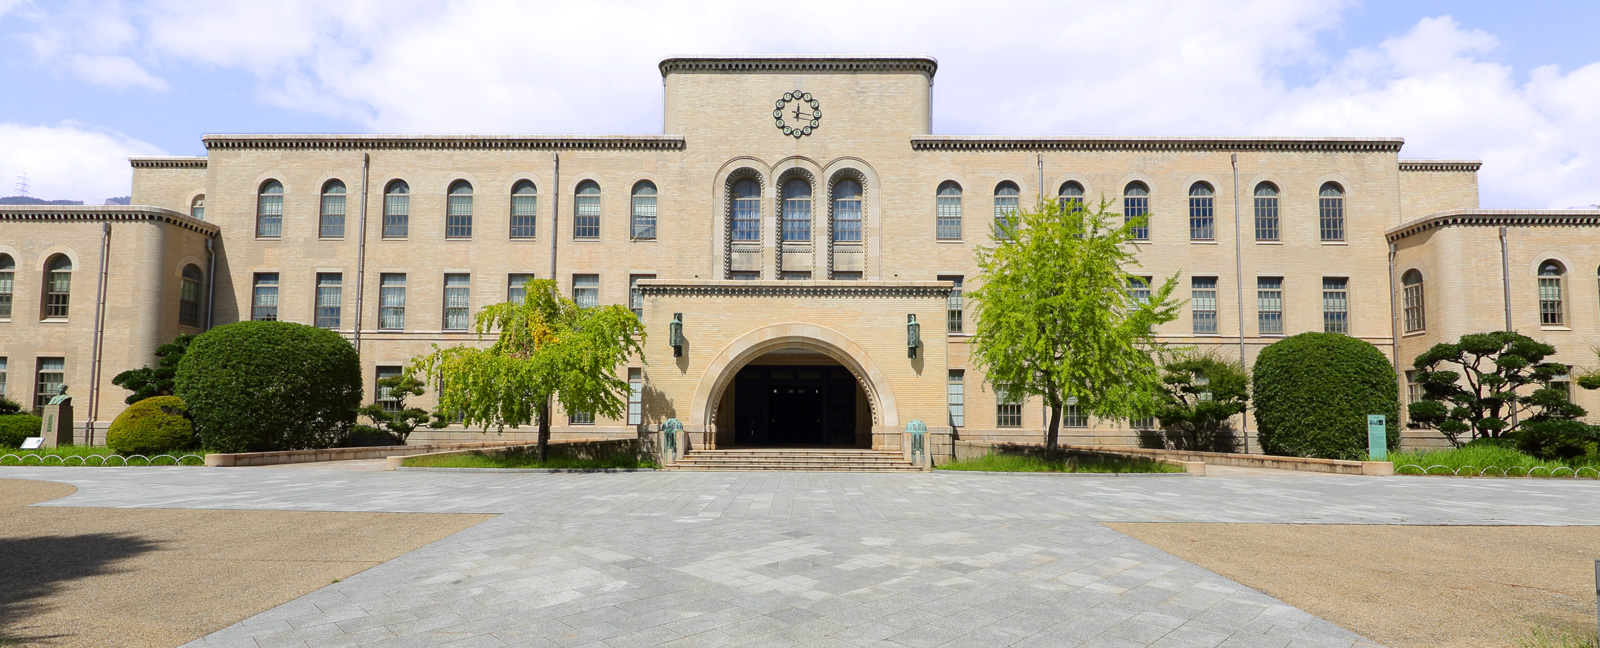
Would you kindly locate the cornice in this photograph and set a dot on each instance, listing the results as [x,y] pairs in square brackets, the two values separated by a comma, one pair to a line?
[1440,165]
[802,63]
[169,162]
[858,289]
[445,142]
[1497,218]
[1318,144]
[104,213]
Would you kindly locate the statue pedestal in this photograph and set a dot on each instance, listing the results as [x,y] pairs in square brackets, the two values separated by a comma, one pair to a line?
[57,426]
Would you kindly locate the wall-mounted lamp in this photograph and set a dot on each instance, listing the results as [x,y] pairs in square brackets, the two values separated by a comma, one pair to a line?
[675,335]
[913,335]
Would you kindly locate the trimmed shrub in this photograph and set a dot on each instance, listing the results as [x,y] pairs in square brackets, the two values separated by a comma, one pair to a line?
[8,406]
[262,386]
[16,427]
[1313,392]
[151,426]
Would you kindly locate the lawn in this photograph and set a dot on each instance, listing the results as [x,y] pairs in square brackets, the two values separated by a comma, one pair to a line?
[526,458]
[1074,464]
[94,456]
[1480,459]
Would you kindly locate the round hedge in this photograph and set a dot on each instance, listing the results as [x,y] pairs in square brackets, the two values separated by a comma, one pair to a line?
[1313,392]
[16,427]
[151,426]
[262,386]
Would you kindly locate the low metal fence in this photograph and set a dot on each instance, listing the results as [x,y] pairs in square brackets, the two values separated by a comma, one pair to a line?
[1489,471]
[101,460]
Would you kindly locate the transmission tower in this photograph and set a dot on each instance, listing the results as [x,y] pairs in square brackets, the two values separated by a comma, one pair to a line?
[22,184]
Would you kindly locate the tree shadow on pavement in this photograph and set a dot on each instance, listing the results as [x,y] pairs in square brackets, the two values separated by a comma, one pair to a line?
[34,569]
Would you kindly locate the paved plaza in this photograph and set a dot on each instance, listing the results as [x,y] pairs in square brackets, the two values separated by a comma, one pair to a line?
[807,559]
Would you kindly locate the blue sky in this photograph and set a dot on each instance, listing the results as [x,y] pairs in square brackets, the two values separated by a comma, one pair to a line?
[1517,86]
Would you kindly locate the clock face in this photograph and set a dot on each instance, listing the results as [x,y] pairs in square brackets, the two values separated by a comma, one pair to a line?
[797,114]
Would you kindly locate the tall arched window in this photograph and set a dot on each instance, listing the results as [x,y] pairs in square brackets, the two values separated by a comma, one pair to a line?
[644,210]
[745,211]
[1266,212]
[797,211]
[1202,216]
[197,207]
[524,210]
[947,208]
[269,210]
[397,210]
[1070,196]
[8,284]
[332,221]
[1551,311]
[458,210]
[847,211]
[1136,206]
[1330,204]
[57,287]
[1006,197]
[586,211]
[189,297]
[1415,307]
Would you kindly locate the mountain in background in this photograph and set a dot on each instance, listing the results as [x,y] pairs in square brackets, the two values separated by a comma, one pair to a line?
[30,200]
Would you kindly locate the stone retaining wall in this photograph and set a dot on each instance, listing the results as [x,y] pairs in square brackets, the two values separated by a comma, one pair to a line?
[970,450]
[340,454]
[564,448]
[1306,464]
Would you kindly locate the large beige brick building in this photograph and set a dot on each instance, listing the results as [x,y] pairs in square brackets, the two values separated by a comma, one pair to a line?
[794,214]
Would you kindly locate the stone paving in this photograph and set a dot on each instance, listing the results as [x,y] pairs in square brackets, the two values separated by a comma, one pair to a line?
[807,559]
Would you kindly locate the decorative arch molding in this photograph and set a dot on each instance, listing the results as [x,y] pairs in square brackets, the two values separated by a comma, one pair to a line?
[735,177]
[719,374]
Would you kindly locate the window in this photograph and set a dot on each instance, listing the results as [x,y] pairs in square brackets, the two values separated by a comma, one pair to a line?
[745,206]
[397,210]
[8,284]
[516,291]
[1070,196]
[1139,289]
[1335,305]
[1550,307]
[947,211]
[1413,393]
[189,297]
[1269,305]
[586,290]
[953,314]
[839,276]
[330,298]
[1072,415]
[385,395]
[580,418]
[524,210]
[636,296]
[58,287]
[795,276]
[1563,382]
[1008,412]
[269,210]
[635,396]
[797,211]
[457,301]
[1146,423]
[391,301]
[197,207]
[1330,204]
[586,211]
[644,210]
[1202,217]
[2,376]
[1006,197]
[1203,304]
[847,211]
[1266,212]
[1136,209]
[264,300]
[52,375]
[956,397]
[332,220]
[1415,305]
[458,210]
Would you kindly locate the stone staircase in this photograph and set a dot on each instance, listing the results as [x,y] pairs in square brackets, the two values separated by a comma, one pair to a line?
[795,459]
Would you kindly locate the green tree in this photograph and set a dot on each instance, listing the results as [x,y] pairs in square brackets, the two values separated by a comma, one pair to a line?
[1203,392]
[1491,385]
[160,380]
[401,422]
[1059,314]
[547,347]
[1313,392]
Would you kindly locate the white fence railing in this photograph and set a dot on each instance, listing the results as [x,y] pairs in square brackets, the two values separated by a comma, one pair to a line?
[100,460]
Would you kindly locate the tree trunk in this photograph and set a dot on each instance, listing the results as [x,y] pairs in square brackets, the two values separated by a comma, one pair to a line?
[1052,437]
[544,430]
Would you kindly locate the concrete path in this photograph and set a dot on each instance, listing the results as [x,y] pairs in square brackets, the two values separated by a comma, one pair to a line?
[807,559]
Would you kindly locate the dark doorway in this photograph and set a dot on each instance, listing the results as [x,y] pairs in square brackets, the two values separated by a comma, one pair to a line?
[782,405]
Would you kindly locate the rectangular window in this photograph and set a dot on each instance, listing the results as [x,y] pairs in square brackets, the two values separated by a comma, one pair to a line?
[264,303]
[515,287]
[385,396]
[1008,412]
[586,216]
[1413,393]
[1146,423]
[1266,214]
[744,275]
[7,287]
[332,224]
[52,375]
[586,290]
[58,294]
[189,299]
[580,418]
[1203,304]
[329,298]
[847,219]
[1072,416]
[956,397]
[1550,311]
[1139,289]
[396,215]
[644,215]
[524,216]
[636,296]
[635,396]
[847,276]
[2,376]
[953,305]
[1335,305]
[391,301]
[458,216]
[1005,212]
[1134,206]
[1202,217]
[795,276]
[1269,305]
[1563,382]
[948,217]
[1414,313]
[1332,217]
[269,216]
[457,301]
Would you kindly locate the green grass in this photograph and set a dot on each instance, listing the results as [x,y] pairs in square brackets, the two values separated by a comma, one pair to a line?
[1095,464]
[1475,458]
[86,456]
[1546,637]
[525,458]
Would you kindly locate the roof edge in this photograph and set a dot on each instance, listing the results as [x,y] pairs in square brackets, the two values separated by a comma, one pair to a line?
[1495,218]
[314,141]
[106,213]
[168,162]
[1153,143]
[802,63]
[1441,165]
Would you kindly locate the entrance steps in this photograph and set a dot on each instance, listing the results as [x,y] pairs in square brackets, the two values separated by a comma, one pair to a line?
[795,459]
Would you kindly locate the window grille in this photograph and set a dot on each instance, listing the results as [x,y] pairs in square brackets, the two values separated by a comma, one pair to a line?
[1136,207]
[331,224]
[1073,416]
[1415,306]
[1335,305]
[1203,304]
[52,375]
[2,376]
[1551,310]
[1006,198]
[392,301]
[635,396]
[516,284]
[457,301]
[953,305]
[197,207]
[1008,412]
[947,211]
[797,211]
[644,211]
[1330,204]
[847,211]
[956,397]
[1413,394]
[189,297]
[586,211]
[524,210]
[1269,305]
[1202,216]
[458,211]
[385,395]
[8,284]
[330,286]
[397,210]
[580,418]
[1070,196]
[269,210]
[264,304]
[1266,202]
[58,288]
[635,295]
[1146,423]
[586,290]
[746,211]
[1139,289]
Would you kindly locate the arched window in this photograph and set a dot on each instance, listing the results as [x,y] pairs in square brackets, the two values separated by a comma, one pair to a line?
[586,211]
[1415,307]
[1070,195]
[269,210]
[189,297]
[57,287]
[797,211]
[1266,212]
[524,210]
[197,207]
[1330,204]
[745,211]
[458,210]
[644,210]
[1006,197]
[947,209]
[1551,312]
[8,283]
[847,211]
[1136,207]
[332,221]
[397,210]
[1202,217]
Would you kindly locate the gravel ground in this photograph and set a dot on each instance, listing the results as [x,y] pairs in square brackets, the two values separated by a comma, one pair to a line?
[1405,586]
[99,577]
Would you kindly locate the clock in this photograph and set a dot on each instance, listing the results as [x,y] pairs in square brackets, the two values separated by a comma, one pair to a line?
[797,114]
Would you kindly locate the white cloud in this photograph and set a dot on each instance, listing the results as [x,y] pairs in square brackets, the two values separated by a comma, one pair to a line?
[115,72]
[68,160]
